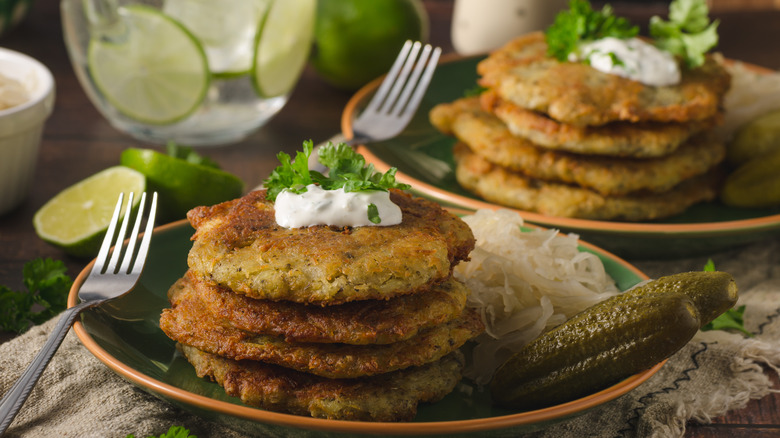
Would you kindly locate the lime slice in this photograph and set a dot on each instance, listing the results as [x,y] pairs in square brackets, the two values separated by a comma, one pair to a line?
[76,219]
[156,72]
[284,39]
[181,185]
[225,28]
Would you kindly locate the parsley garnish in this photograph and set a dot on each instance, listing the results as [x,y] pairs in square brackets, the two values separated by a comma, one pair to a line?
[688,34]
[581,23]
[173,432]
[347,170]
[731,319]
[46,296]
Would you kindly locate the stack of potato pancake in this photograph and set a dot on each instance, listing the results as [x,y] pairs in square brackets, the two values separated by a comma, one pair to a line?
[343,323]
[564,139]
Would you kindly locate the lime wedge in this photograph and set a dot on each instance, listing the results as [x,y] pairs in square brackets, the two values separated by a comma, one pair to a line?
[76,219]
[155,72]
[181,185]
[284,40]
[225,28]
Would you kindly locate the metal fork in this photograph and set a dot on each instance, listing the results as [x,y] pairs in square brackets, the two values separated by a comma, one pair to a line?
[107,280]
[395,102]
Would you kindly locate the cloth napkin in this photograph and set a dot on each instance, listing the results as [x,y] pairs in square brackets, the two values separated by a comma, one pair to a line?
[78,396]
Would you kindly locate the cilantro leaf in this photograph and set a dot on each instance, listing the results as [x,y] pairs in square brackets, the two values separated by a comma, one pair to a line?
[688,34]
[189,155]
[709,266]
[347,170]
[581,23]
[47,290]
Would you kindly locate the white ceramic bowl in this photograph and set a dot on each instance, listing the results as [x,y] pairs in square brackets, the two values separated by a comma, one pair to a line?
[21,126]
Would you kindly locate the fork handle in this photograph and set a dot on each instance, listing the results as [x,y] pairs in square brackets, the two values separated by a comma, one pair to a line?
[15,397]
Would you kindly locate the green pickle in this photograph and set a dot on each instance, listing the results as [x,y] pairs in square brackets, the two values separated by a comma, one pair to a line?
[612,340]
[756,138]
[755,183]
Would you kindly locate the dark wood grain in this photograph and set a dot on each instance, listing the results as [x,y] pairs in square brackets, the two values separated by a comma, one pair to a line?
[78,142]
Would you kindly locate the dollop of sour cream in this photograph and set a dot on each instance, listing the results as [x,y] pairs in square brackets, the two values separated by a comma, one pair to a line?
[630,58]
[316,206]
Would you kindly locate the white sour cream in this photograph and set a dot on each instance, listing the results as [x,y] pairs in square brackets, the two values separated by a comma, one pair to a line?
[631,58]
[333,207]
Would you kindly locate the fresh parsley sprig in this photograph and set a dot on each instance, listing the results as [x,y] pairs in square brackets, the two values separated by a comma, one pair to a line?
[347,170]
[688,34]
[189,155]
[173,432]
[581,23]
[47,287]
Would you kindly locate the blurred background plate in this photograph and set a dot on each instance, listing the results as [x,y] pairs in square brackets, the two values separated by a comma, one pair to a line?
[125,335]
[423,157]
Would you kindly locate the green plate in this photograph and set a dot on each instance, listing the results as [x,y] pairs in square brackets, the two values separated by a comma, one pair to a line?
[423,157]
[125,335]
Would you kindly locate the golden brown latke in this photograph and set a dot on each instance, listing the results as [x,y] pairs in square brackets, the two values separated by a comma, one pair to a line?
[620,139]
[357,322]
[387,397]
[512,189]
[189,323]
[488,137]
[574,93]
[239,245]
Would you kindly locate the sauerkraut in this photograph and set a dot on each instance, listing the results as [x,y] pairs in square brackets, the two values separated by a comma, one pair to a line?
[524,283]
[752,94]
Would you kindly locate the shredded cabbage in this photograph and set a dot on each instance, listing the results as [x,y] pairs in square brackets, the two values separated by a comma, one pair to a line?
[752,94]
[523,284]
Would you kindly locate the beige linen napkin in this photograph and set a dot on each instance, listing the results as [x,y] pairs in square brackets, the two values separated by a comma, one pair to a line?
[78,396]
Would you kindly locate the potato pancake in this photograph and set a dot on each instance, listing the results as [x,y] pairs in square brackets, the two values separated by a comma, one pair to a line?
[488,137]
[513,189]
[574,93]
[620,139]
[189,323]
[357,322]
[388,397]
[238,244]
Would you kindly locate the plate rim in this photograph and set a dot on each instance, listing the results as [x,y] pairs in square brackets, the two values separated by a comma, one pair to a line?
[342,426]
[634,228]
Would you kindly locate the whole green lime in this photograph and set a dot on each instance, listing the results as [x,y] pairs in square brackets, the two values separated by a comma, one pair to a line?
[356,41]
[181,185]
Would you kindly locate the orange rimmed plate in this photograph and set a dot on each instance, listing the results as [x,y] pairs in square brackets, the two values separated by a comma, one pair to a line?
[125,335]
[423,157]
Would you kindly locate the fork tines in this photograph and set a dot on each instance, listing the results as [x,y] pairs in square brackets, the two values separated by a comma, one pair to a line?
[406,91]
[116,240]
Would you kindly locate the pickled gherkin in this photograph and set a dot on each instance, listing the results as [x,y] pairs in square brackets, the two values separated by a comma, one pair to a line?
[612,340]
[756,138]
[755,183]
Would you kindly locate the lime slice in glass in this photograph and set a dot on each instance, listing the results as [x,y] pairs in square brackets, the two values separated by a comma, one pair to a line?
[225,28]
[76,219]
[154,72]
[180,184]
[284,40]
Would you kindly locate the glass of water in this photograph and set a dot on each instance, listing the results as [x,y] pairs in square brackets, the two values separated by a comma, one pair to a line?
[197,72]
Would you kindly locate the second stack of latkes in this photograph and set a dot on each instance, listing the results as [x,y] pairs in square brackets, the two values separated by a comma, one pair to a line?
[563,139]
[334,322]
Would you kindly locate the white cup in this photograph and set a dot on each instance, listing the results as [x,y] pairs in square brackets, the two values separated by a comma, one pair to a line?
[21,126]
[479,26]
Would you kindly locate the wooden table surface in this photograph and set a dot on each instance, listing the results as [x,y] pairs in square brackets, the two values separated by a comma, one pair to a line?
[78,142]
